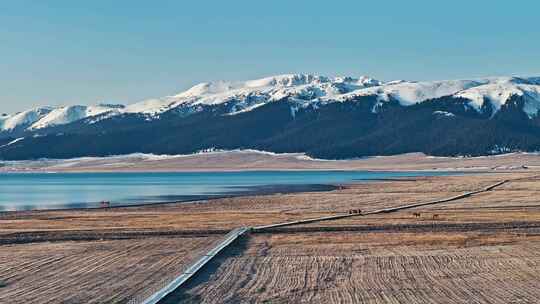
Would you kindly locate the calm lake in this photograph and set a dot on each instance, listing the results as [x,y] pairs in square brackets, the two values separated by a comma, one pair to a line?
[27,191]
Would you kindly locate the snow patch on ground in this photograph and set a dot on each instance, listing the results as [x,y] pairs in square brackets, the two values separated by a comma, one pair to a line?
[12,142]
[444,114]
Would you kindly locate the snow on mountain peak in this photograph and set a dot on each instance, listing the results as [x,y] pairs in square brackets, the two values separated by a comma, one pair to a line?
[496,90]
[302,88]
[65,115]
[206,88]
[149,106]
[286,80]
[26,118]
[409,93]
[258,91]
[499,90]
[279,81]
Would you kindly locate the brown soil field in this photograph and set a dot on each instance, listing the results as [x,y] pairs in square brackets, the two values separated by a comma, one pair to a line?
[374,268]
[93,272]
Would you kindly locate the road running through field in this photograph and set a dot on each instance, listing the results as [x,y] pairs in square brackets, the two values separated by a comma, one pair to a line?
[238,232]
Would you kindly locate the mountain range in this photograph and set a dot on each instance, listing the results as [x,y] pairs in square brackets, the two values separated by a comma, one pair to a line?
[325,117]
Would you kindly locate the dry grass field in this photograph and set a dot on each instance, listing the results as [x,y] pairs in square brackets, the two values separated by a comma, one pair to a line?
[516,201]
[375,268]
[93,272]
[115,254]
[250,211]
[254,160]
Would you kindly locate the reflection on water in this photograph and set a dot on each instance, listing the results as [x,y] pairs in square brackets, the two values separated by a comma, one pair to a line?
[23,191]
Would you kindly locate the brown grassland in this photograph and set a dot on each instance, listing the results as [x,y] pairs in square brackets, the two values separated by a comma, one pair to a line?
[93,272]
[333,267]
[480,249]
[252,160]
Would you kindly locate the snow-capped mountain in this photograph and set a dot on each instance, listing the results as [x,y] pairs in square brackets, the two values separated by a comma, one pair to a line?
[247,94]
[306,89]
[69,114]
[253,93]
[23,119]
[44,117]
[314,89]
[325,116]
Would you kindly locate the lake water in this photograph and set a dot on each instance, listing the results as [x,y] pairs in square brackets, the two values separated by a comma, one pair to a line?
[27,191]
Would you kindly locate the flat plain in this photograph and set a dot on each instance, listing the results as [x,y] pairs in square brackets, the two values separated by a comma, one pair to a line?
[93,272]
[479,249]
[376,267]
[245,160]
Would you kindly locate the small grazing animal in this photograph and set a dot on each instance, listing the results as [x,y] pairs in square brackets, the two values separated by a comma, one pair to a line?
[416,214]
[435,216]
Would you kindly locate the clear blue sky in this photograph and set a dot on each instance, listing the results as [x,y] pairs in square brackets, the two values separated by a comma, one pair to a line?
[65,52]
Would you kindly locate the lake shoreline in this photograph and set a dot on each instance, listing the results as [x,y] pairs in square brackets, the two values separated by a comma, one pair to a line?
[498,227]
[250,191]
[24,192]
